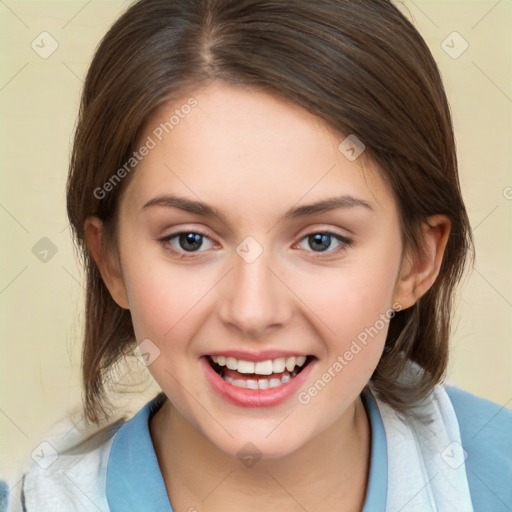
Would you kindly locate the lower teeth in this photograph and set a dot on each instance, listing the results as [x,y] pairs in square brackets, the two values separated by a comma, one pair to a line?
[260,383]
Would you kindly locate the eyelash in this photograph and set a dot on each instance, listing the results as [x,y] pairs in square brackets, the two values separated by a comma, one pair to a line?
[165,242]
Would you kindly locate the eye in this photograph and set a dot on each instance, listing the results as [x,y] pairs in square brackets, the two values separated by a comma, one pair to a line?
[322,240]
[185,242]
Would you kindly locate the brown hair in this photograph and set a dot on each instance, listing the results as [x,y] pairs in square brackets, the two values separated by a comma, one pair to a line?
[359,65]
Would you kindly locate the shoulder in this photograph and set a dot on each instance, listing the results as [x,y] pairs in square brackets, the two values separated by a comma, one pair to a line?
[482,423]
[486,435]
[63,475]
[67,471]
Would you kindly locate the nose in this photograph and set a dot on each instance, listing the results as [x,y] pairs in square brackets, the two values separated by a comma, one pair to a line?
[254,300]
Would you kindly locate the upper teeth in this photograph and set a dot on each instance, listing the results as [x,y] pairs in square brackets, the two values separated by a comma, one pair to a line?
[261,367]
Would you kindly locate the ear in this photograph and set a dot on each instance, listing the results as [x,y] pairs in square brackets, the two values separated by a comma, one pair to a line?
[108,267]
[419,271]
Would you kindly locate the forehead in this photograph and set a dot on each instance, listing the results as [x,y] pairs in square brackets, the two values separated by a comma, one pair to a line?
[248,152]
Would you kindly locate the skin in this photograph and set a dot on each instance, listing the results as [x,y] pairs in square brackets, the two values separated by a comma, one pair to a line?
[253,156]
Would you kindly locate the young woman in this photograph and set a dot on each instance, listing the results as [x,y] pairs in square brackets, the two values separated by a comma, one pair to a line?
[266,198]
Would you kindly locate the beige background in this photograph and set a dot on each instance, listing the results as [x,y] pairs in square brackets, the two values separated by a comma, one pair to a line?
[41,302]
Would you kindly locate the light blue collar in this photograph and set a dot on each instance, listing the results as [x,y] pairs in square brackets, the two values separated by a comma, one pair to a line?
[376,495]
[134,480]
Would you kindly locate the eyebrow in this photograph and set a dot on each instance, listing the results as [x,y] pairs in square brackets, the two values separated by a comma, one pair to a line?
[205,210]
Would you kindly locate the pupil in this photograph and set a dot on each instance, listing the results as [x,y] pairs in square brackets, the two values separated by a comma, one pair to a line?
[194,239]
[321,239]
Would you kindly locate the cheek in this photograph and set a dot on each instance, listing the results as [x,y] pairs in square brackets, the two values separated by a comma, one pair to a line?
[164,296]
[351,308]
[353,321]
[165,302]
[165,305]
[347,300]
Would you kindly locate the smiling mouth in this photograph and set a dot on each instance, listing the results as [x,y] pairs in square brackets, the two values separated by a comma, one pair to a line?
[261,375]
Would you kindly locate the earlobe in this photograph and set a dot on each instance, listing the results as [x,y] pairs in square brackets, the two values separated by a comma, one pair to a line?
[419,271]
[109,269]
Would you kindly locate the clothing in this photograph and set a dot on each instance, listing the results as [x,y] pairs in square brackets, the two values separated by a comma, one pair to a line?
[117,469]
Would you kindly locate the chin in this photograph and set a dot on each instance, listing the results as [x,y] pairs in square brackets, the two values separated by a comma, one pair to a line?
[249,446]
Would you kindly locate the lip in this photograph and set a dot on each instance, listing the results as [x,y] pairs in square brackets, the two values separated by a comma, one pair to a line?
[243,397]
[260,356]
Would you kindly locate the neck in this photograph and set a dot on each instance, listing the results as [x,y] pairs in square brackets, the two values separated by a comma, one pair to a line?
[330,472]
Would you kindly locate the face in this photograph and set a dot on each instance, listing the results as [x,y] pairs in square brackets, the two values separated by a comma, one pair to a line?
[254,276]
